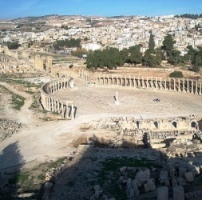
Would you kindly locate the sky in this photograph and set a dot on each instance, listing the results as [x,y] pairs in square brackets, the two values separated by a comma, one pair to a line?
[10,9]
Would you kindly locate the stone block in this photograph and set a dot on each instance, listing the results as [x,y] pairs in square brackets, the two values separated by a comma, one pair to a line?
[162,193]
[178,193]
[189,176]
[149,186]
[163,176]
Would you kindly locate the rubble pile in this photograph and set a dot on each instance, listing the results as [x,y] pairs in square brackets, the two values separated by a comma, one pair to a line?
[8,128]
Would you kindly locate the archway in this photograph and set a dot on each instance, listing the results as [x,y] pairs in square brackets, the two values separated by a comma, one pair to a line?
[193,124]
[174,123]
[156,124]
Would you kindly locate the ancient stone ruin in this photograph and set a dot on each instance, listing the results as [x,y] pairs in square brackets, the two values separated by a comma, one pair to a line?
[8,128]
[50,103]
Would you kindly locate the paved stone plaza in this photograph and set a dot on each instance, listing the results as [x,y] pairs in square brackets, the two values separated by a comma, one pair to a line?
[133,102]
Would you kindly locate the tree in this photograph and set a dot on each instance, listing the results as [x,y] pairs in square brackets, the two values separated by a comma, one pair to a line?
[151,42]
[168,45]
[191,53]
[135,55]
[79,52]
[159,55]
[149,59]
[174,57]
[197,63]
[59,44]
[110,58]
[195,57]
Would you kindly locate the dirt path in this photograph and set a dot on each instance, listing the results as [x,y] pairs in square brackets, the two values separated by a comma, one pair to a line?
[37,139]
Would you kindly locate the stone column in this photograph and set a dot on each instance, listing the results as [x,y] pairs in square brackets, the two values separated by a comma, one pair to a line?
[143,83]
[156,84]
[178,193]
[86,76]
[134,81]
[130,80]
[53,100]
[151,82]
[62,109]
[174,86]
[72,111]
[179,86]
[165,84]
[138,81]
[169,83]
[58,106]
[192,87]
[55,87]
[196,87]
[160,83]
[162,193]
[51,104]
[200,92]
[188,86]
[47,103]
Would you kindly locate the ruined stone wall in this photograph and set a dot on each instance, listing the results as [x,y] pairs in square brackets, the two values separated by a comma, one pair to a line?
[8,128]
[63,72]
[155,133]
[50,103]
[171,124]
[7,52]
[38,63]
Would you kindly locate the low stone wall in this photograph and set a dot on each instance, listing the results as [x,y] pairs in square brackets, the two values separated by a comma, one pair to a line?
[50,103]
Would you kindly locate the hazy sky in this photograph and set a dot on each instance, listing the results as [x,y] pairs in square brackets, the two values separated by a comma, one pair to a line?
[22,8]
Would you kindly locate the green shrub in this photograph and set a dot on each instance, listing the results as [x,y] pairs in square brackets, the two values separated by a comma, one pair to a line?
[70,66]
[176,74]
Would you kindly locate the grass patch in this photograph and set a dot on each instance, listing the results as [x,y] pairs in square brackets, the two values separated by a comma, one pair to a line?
[112,164]
[17,101]
[111,170]
[56,163]
[21,178]
[29,92]
[22,82]
[41,177]
[35,104]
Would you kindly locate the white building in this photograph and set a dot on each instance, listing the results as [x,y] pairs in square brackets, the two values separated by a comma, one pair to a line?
[91,46]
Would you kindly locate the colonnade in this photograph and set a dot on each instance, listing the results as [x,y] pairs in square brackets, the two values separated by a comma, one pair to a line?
[169,84]
[50,103]
[4,61]
[84,75]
